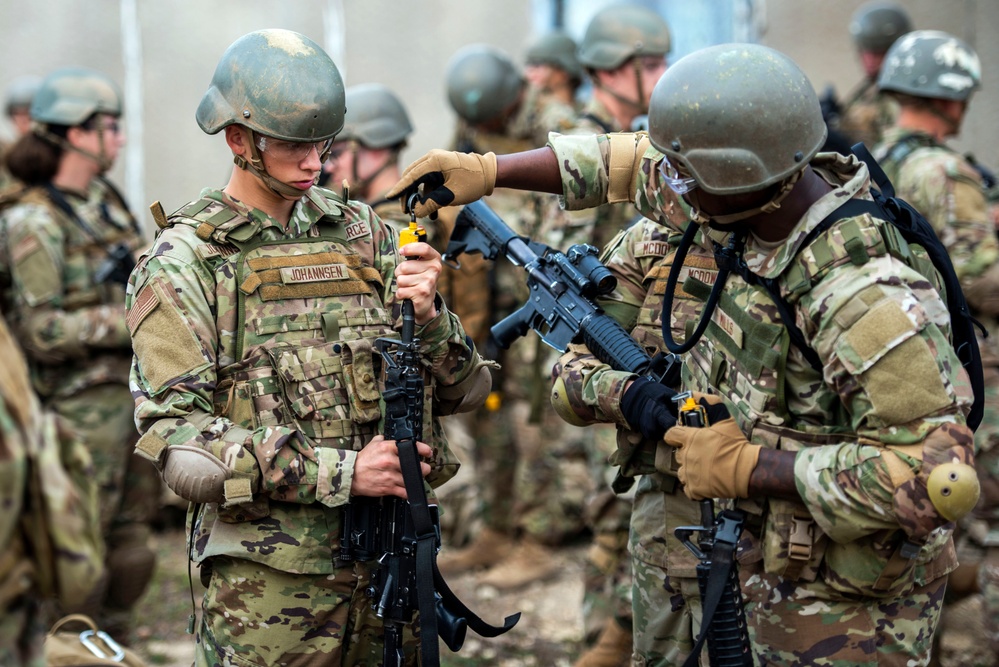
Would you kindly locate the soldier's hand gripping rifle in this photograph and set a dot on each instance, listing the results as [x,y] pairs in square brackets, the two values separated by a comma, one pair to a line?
[560,308]
[723,621]
[405,535]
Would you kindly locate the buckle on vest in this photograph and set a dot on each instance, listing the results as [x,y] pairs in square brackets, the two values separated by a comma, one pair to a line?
[799,543]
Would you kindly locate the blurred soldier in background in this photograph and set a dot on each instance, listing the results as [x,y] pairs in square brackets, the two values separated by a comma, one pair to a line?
[551,66]
[866,113]
[253,319]
[624,52]
[17,105]
[70,255]
[50,543]
[932,75]
[530,468]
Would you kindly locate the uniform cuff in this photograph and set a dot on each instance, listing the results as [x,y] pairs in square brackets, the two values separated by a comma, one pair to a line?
[336,475]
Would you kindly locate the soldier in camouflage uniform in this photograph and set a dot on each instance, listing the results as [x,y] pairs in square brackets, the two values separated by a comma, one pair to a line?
[49,526]
[933,75]
[531,496]
[70,254]
[551,66]
[624,52]
[867,113]
[256,378]
[17,106]
[847,550]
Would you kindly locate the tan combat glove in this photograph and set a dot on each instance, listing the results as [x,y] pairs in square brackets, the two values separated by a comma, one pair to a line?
[715,461]
[448,179]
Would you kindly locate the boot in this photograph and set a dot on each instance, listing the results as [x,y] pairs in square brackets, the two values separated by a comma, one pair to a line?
[485,550]
[529,562]
[613,648]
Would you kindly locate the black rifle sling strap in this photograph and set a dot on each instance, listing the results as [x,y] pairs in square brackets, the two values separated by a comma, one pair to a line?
[430,582]
[60,203]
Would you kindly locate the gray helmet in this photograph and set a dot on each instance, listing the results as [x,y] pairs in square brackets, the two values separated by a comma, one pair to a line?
[558,50]
[930,63]
[737,117]
[376,118]
[21,92]
[620,32]
[277,83]
[71,95]
[876,25]
[482,82]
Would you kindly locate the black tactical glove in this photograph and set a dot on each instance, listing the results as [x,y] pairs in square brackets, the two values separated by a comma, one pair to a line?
[649,408]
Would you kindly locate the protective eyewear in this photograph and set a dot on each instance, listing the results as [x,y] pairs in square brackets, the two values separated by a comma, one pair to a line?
[294,151]
[674,180]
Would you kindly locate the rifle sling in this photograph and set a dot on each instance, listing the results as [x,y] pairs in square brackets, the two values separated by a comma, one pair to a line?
[722,562]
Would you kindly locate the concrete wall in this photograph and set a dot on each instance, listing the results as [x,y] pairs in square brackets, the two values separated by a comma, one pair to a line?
[404,44]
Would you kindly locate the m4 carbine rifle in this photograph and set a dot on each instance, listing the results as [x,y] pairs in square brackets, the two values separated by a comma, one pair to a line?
[404,535]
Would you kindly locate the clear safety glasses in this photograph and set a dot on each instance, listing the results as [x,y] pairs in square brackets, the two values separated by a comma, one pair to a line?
[674,180]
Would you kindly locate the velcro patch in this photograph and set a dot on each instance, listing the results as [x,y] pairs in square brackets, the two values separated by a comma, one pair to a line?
[209,250]
[144,304]
[314,274]
[651,249]
[729,326]
[357,229]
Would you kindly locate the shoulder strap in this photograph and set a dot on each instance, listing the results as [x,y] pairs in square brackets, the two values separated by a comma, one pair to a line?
[120,200]
[906,146]
[600,123]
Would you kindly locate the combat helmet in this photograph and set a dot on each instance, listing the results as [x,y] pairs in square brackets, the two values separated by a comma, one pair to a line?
[375,117]
[737,118]
[276,83]
[620,32]
[21,92]
[69,97]
[931,63]
[876,25]
[557,49]
[482,82]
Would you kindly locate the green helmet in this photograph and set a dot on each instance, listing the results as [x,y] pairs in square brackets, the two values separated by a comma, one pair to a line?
[21,92]
[71,95]
[876,25]
[558,50]
[620,32]
[482,82]
[277,83]
[736,117]
[930,63]
[376,118]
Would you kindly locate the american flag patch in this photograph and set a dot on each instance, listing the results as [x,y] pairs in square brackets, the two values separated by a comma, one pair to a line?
[144,304]
[25,248]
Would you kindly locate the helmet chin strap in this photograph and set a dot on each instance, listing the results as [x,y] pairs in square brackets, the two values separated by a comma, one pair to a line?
[104,162]
[718,221]
[255,165]
[638,103]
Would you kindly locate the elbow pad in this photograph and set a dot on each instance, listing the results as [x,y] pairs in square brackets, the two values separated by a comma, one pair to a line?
[470,393]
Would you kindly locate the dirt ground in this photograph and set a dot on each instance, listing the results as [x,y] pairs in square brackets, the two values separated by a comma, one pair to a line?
[549,632]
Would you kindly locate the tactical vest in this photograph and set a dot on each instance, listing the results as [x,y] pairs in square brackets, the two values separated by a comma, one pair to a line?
[85,238]
[781,402]
[304,314]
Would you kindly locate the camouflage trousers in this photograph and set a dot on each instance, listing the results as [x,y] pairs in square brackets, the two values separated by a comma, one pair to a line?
[256,615]
[607,579]
[129,489]
[799,623]
[667,616]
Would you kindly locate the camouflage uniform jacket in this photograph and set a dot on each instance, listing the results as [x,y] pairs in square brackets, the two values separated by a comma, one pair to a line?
[942,185]
[49,529]
[72,329]
[255,342]
[890,378]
